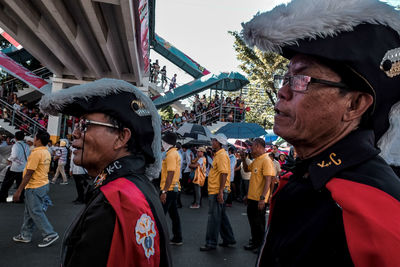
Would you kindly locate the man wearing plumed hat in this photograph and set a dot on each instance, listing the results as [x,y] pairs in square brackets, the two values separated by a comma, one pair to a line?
[337,104]
[117,140]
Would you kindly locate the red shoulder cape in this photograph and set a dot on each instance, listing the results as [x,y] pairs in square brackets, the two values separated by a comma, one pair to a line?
[371,219]
[136,240]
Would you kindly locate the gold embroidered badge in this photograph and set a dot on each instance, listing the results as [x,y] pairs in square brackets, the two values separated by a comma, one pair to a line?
[333,160]
[139,108]
[390,63]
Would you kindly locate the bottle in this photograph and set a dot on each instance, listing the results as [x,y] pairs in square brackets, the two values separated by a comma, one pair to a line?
[176,187]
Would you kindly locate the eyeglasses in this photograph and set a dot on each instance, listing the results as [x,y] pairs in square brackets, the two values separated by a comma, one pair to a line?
[83,124]
[299,83]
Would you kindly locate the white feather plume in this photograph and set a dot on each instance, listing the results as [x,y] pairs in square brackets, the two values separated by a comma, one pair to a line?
[308,19]
[54,103]
[389,143]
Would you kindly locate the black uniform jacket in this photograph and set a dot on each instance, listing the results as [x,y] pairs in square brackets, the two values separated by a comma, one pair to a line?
[91,239]
[340,208]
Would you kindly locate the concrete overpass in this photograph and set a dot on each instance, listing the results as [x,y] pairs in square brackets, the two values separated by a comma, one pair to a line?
[79,39]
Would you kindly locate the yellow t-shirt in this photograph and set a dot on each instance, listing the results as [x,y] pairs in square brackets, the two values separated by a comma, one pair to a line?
[260,167]
[200,172]
[39,161]
[221,164]
[172,162]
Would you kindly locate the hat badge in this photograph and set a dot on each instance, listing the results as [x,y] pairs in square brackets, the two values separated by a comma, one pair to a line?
[391,62]
[139,108]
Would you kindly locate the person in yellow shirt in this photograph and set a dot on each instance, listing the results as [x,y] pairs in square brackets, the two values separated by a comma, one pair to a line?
[199,175]
[169,185]
[262,171]
[218,190]
[36,184]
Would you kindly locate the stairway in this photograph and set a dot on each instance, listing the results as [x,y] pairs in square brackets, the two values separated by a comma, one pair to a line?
[6,126]
[215,126]
[13,121]
[178,105]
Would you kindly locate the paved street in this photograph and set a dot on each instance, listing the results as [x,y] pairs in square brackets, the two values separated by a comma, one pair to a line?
[61,214]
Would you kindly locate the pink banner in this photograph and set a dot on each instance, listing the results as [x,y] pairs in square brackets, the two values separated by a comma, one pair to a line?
[144,33]
[20,72]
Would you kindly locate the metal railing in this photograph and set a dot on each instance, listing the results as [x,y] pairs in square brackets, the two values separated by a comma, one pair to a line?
[18,119]
[219,113]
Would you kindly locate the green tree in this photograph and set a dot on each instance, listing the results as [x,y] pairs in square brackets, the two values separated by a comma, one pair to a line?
[260,68]
[166,113]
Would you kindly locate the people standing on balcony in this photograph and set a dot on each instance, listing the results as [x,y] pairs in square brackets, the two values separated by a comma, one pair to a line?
[16,105]
[172,84]
[176,121]
[19,155]
[203,100]
[61,157]
[164,81]
[183,117]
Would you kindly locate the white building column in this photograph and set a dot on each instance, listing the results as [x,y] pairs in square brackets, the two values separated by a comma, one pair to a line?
[54,123]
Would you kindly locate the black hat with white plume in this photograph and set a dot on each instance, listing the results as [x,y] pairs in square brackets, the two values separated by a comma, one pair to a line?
[123,102]
[360,38]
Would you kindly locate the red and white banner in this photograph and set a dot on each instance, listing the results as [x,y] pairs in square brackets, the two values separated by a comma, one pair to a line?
[10,39]
[20,72]
[144,33]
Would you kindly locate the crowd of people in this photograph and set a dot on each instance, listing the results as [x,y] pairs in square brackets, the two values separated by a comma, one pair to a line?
[205,111]
[20,110]
[197,169]
[61,163]
[159,75]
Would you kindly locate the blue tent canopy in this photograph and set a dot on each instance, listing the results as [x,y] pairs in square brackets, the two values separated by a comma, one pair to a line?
[242,130]
[232,81]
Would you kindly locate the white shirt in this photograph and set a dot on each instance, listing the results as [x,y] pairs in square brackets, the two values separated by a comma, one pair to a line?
[189,156]
[245,175]
[232,160]
[75,169]
[19,155]
[16,106]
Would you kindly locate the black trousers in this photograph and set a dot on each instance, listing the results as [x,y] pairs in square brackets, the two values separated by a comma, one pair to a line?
[171,208]
[257,221]
[81,182]
[8,182]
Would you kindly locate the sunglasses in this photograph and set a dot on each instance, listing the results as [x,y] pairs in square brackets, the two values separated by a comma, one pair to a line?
[83,124]
[299,83]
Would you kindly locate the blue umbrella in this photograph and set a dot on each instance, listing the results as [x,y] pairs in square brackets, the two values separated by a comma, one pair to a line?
[242,130]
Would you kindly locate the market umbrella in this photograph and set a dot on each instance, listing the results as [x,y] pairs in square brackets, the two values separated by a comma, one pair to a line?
[242,130]
[195,131]
[197,142]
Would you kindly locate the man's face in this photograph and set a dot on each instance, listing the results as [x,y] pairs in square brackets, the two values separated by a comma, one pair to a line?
[309,117]
[36,142]
[215,144]
[255,149]
[97,144]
